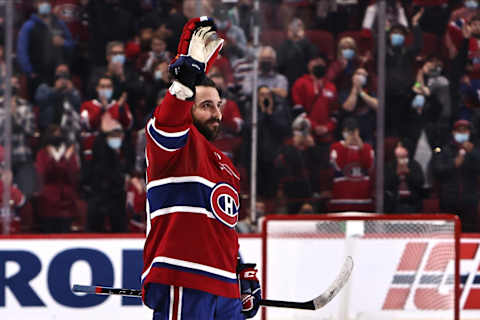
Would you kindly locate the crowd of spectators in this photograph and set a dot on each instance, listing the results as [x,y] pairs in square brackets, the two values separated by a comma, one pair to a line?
[88,75]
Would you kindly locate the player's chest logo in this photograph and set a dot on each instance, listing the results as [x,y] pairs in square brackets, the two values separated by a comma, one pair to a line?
[225,204]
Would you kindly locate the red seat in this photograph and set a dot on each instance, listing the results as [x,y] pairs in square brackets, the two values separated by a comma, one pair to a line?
[273,38]
[323,40]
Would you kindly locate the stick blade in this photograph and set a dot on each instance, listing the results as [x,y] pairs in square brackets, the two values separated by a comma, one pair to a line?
[336,285]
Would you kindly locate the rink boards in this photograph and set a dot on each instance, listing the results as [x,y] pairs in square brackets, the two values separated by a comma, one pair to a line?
[36,275]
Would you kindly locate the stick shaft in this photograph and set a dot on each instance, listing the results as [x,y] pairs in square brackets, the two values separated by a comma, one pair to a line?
[138,293]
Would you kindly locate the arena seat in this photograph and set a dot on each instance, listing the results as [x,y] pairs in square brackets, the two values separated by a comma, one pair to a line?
[323,40]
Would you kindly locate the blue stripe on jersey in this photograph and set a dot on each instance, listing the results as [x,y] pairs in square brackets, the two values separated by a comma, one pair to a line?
[170,143]
[191,270]
[192,194]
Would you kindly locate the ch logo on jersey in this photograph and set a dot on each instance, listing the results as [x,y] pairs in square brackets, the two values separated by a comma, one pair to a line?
[225,203]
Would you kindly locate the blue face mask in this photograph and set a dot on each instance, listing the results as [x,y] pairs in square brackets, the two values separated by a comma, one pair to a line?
[105,93]
[118,58]
[418,101]
[348,54]
[397,39]
[470,4]
[114,142]
[461,137]
[158,74]
[44,8]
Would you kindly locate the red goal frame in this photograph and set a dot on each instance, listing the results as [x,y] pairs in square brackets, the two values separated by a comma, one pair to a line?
[368,216]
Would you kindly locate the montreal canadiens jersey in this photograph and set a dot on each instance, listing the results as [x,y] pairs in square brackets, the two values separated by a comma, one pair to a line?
[352,188]
[192,206]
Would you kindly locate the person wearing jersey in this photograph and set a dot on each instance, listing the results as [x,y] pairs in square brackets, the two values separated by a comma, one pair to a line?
[191,249]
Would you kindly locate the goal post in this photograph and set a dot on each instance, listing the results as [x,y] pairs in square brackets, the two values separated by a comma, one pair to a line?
[406,266]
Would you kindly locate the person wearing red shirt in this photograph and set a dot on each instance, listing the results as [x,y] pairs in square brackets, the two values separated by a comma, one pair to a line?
[93,111]
[352,162]
[58,168]
[317,97]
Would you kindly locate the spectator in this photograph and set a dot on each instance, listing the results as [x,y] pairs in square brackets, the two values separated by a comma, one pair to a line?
[229,138]
[147,60]
[23,129]
[295,167]
[60,104]
[400,61]
[348,60]
[58,169]
[316,97]
[112,163]
[136,205]
[395,15]
[431,120]
[44,42]
[359,102]
[273,127]
[352,162]
[295,52]
[93,111]
[17,199]
[456,170]
[404,181]
[458,18]
[267,76]
[235,46]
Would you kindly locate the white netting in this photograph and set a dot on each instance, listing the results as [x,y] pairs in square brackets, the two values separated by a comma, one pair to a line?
[404,266]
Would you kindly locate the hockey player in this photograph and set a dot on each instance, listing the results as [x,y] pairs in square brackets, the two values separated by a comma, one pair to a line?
[190,256]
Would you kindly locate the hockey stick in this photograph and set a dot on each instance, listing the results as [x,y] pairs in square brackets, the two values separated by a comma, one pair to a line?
[314,304]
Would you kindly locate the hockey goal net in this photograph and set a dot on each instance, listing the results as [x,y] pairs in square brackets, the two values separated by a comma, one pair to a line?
[405,266]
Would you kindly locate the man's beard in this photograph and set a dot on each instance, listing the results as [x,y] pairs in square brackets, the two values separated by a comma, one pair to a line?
[210,134]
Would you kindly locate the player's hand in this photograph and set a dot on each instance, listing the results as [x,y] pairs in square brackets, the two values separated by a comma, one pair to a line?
[250,291]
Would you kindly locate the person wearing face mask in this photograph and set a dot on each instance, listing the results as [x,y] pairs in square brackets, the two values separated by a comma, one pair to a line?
[348,60]
[317,97]
[359,102]
[126,81]
[268,75]
[456,171]
[395,15]
[112,165]
[400,59]
[93,111]
[58,169]
[404,181]
[148,60]
[60,104]
[43,42]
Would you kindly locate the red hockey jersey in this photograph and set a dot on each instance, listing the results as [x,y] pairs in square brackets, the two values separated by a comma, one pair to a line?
[192,206]
[352,188]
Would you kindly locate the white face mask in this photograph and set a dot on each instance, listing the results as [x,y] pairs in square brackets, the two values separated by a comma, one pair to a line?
[362,79]
[114,142]
[345,135]
[461,137]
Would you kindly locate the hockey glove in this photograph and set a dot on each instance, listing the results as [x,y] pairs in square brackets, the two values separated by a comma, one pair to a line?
[199,40]
[250,291]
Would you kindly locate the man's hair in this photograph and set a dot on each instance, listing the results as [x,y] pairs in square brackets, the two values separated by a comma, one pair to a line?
[350,124]
[399,27]
[112,44]
[207,82]
[104,76]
